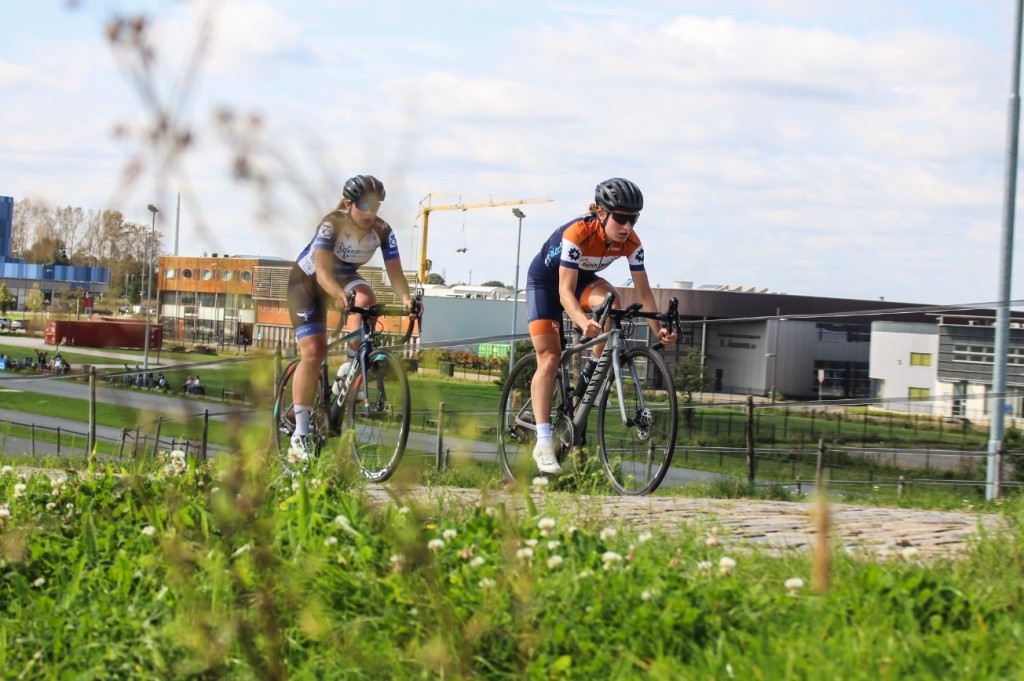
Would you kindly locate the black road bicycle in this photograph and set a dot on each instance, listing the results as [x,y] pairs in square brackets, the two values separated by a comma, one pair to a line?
[368,396]
[635,397]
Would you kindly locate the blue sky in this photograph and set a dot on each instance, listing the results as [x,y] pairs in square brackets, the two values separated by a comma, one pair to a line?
[812,147]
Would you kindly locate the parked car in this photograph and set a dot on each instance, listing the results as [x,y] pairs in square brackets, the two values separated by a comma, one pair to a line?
[5,324]
[19,325]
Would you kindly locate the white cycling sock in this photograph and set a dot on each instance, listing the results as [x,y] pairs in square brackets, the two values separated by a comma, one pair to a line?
[302,415]
[544,433]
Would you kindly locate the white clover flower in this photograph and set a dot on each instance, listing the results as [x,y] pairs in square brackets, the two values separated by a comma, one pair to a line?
[910,553]
[648,594]
[295,486]
[555,562]
[5,512]
[704,566]
[610,558]
[403,510]
[794,584]
[342,521]
[532,543]
[491,511]
[330,541]
[539,484]
[177,455]
[572,530]
[69,506]
[39,582]
[477,561]
[525,553]
[726,565]
[449,534]
[50,506]
[545,525]
[148,530]
[397,561]
[6,469]
[608,533]
[585,574]
[19,490]
[644,537]
[712,540]
[553,544]
[487,584]
[435,544]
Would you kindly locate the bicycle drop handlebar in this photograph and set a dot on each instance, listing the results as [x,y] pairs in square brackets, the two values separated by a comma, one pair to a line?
[382,310]
[670,318]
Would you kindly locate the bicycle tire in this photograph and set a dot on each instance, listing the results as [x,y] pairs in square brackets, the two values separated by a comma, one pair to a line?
[283,418]
[517,434]
[375,418]
[636,456]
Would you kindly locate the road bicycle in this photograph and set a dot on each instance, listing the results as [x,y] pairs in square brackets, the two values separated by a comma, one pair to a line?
[368,396]
[632,388]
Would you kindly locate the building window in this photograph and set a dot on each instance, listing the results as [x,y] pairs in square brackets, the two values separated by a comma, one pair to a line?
[246,276]
[227,275]
[170,273]
[920,359]
[920,393]
[207,275]
[186,273]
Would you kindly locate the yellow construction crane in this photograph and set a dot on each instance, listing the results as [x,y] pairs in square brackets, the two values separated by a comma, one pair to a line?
[427,207]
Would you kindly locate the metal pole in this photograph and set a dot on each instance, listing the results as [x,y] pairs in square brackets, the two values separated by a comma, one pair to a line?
[515,291]
[149,286]
[1002,330]
[775,355]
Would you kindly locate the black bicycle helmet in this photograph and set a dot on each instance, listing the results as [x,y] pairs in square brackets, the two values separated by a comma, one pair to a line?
[359,186]
[619,195]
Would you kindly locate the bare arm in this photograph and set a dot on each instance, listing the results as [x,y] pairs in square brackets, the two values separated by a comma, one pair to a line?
[325,277]
[567,278]
[398,282]
[643,289]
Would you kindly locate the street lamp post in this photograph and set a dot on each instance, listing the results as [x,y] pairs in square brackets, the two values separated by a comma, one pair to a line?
[515,291]
[149,287]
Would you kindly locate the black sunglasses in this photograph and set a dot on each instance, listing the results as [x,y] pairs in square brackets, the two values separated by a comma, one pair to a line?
[625,218]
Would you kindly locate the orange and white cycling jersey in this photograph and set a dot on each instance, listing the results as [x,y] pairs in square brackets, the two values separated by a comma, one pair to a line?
[581,245]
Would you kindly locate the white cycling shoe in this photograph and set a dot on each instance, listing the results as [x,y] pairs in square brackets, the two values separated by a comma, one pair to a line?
[544,456]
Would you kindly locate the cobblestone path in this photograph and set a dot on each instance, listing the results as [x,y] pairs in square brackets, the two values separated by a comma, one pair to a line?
[864,530]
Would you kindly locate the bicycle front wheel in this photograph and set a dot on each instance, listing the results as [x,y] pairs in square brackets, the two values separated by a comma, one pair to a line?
[284,416]
[517,425]
[637,429]
[375,417]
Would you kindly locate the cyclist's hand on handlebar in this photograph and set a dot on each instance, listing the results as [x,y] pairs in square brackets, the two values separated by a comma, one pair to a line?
[590,328]
[667,336]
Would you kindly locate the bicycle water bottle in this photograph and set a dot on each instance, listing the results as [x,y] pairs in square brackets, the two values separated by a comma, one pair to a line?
[340,378]
[585,374]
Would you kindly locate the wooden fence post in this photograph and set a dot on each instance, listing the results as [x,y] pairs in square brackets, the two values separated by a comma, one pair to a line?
[751,459]
[439,453]
[91,442]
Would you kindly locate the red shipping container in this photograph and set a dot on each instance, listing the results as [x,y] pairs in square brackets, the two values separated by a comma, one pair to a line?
[104,334]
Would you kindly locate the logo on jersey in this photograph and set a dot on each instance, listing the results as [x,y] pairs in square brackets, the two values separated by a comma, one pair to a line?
[392,241]
[325,230]
[574,254]
[639,254]
[305,314]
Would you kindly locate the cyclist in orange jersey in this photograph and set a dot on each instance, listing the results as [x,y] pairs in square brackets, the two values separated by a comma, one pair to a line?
[563,277]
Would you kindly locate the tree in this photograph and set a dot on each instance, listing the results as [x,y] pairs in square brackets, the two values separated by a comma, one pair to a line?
[6,299]
[688,375]
[435,278]
[35,300]
[48,250]
[495,282]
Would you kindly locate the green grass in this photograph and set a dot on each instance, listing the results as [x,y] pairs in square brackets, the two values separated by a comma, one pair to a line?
[179,571]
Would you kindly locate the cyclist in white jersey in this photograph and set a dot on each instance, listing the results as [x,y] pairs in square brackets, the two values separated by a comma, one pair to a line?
[325,272]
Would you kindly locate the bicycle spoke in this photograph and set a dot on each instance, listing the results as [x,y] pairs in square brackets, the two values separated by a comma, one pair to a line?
[637,453]
[375,418]
[517,433]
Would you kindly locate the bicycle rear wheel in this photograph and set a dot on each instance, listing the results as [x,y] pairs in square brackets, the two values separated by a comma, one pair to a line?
[377,414]
[284,417]
[636,454]
[517,429]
